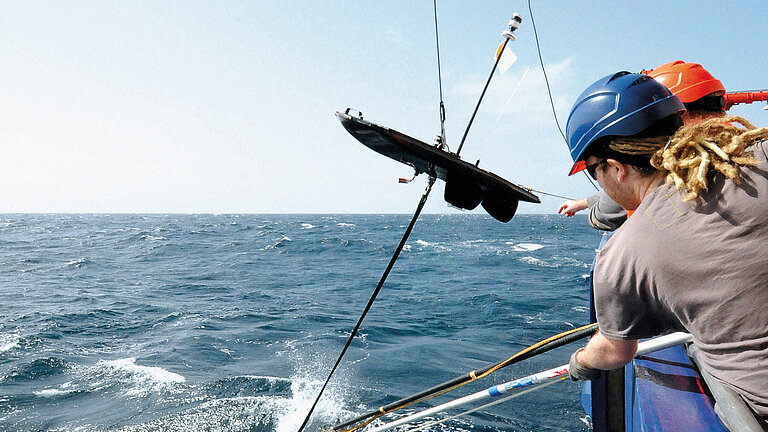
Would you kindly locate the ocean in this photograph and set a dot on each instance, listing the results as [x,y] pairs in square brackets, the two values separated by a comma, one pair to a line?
[232,322]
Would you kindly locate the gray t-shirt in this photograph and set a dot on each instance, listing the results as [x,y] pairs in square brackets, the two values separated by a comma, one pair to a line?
[702,267]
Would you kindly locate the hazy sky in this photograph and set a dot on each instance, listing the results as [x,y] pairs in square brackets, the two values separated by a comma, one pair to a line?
[228,106]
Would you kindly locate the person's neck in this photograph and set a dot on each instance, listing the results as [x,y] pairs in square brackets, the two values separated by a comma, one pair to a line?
[642,187]
[648,184]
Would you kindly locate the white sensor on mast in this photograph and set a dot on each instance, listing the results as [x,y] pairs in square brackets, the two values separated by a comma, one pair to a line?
[514,24]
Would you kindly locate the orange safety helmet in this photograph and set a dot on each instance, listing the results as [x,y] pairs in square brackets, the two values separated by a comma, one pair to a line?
[688,81]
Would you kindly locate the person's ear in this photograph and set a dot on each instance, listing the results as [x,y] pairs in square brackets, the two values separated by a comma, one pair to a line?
[620,170]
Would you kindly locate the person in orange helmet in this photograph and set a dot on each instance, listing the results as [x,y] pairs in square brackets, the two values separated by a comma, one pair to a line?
[703,97]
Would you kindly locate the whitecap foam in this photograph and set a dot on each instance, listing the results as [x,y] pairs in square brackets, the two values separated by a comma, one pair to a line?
[307,226]
[8,342]
[80,263]
[343,224]
[49,393]
[277,244]
[476,241]
[267,378]
[537,262]
[144,379]
[437,247]
[235,413]
[290,413]
[525,247]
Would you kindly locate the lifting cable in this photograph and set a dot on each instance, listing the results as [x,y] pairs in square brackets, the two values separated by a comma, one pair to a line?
[407,233]
[440,82]
[533,350]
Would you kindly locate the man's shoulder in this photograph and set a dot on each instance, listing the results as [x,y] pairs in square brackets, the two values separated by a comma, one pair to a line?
[760,149]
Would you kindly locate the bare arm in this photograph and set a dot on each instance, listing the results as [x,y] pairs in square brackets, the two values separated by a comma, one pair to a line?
[606,353]
[570,207]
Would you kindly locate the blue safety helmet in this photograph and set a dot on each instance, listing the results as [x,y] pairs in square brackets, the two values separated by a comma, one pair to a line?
[620,104]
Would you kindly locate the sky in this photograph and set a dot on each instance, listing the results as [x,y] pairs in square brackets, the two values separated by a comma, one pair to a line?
[228,106]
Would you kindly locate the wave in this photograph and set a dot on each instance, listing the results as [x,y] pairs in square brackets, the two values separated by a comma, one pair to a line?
[290,413]
[476,241]
[307,226]
[153,237]
[80,263]
[281,242]
[537,262]
[525,247]
[37,369]
[435,246]
[53,393]
[144,373]
[8,342]
[282,409]
[138,380]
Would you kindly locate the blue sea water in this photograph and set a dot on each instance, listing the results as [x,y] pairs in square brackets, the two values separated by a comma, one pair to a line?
[232,322]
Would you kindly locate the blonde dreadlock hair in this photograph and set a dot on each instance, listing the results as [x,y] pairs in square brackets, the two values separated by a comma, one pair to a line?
[696,150]
[715,144]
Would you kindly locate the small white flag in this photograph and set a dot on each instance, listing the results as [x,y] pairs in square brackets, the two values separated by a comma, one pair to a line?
[508,58]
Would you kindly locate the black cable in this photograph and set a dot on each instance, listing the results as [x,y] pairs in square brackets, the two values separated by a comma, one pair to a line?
[373,296]
[550,194]
[546,80]
[533,350]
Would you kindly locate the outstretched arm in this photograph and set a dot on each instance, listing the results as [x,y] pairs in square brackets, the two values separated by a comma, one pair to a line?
[570,207]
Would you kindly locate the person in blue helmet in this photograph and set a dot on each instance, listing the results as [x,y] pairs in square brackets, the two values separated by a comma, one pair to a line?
[701,93]
[694,255]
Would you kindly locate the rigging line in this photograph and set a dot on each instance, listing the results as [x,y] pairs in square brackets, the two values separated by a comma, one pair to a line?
[590,180]
[546,80]
[439,79]
[549,90]
[407,233]
[547,193]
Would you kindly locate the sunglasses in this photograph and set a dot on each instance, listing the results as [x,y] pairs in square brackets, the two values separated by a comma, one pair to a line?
[592,168]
